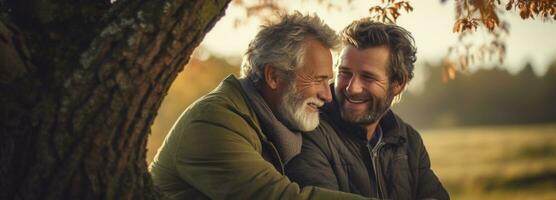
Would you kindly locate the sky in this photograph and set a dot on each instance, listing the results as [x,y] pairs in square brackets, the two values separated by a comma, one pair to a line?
[430,23]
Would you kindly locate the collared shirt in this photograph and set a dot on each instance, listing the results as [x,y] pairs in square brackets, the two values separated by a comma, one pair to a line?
[376,137]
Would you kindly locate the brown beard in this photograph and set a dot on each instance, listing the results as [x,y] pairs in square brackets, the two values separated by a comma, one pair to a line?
[376,110]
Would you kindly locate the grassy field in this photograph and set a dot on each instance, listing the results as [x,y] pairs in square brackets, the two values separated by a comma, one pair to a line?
[505,162]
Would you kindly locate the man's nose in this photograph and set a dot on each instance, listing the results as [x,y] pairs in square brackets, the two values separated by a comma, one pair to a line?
[325,93]
[354,86]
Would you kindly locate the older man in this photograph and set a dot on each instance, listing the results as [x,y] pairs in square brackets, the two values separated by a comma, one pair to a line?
[361,146]
[233,142]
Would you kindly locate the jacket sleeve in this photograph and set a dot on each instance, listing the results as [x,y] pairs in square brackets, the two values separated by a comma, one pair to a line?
[311,167]
[428,186]
[220,160]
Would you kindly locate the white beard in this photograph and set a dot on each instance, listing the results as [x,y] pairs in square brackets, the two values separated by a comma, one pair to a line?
[293,109]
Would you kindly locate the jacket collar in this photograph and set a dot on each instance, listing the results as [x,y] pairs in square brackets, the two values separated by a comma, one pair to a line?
[287,142]
[389,123]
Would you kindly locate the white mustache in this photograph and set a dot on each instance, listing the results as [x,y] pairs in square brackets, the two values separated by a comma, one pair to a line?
[314,100]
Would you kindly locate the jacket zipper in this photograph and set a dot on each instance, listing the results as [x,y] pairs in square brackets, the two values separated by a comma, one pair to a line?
[378,172]
[375,157]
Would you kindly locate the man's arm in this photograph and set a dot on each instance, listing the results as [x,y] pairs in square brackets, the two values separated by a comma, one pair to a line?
[223,163]
[311,167]
[429,186]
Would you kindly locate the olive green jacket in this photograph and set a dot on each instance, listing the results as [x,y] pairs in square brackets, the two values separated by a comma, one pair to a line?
[217,150]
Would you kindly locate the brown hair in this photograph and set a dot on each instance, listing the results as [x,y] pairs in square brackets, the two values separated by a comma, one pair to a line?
[365,33]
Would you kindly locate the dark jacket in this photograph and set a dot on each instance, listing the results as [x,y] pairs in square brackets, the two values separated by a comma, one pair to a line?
[338,156]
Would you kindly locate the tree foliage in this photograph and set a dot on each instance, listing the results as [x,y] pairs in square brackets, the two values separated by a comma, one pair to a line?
[473,14]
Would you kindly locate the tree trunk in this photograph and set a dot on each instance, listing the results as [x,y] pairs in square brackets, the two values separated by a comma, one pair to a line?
[80,86]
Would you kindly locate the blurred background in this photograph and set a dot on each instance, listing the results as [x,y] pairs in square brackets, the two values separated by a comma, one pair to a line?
[490,131]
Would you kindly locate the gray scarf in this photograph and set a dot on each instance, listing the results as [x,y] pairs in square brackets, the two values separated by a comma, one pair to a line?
[288,143]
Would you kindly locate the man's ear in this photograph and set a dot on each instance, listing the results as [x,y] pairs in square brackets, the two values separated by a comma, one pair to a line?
[270,76]
[398,87]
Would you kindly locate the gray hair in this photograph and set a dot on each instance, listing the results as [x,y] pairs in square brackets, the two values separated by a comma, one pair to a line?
[282,44]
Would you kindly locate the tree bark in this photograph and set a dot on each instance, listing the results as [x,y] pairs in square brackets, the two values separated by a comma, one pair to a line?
[80,86]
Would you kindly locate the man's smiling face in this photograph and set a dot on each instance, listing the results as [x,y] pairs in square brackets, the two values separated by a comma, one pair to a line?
[362,85]
[309,89]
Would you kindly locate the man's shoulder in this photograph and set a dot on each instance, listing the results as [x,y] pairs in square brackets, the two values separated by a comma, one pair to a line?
[403,126]
[226,98]
[325,137]
[322,132]
[412,136]
[224,107]
[228,92]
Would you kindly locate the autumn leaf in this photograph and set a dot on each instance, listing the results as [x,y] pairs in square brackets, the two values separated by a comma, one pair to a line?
[457,26]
